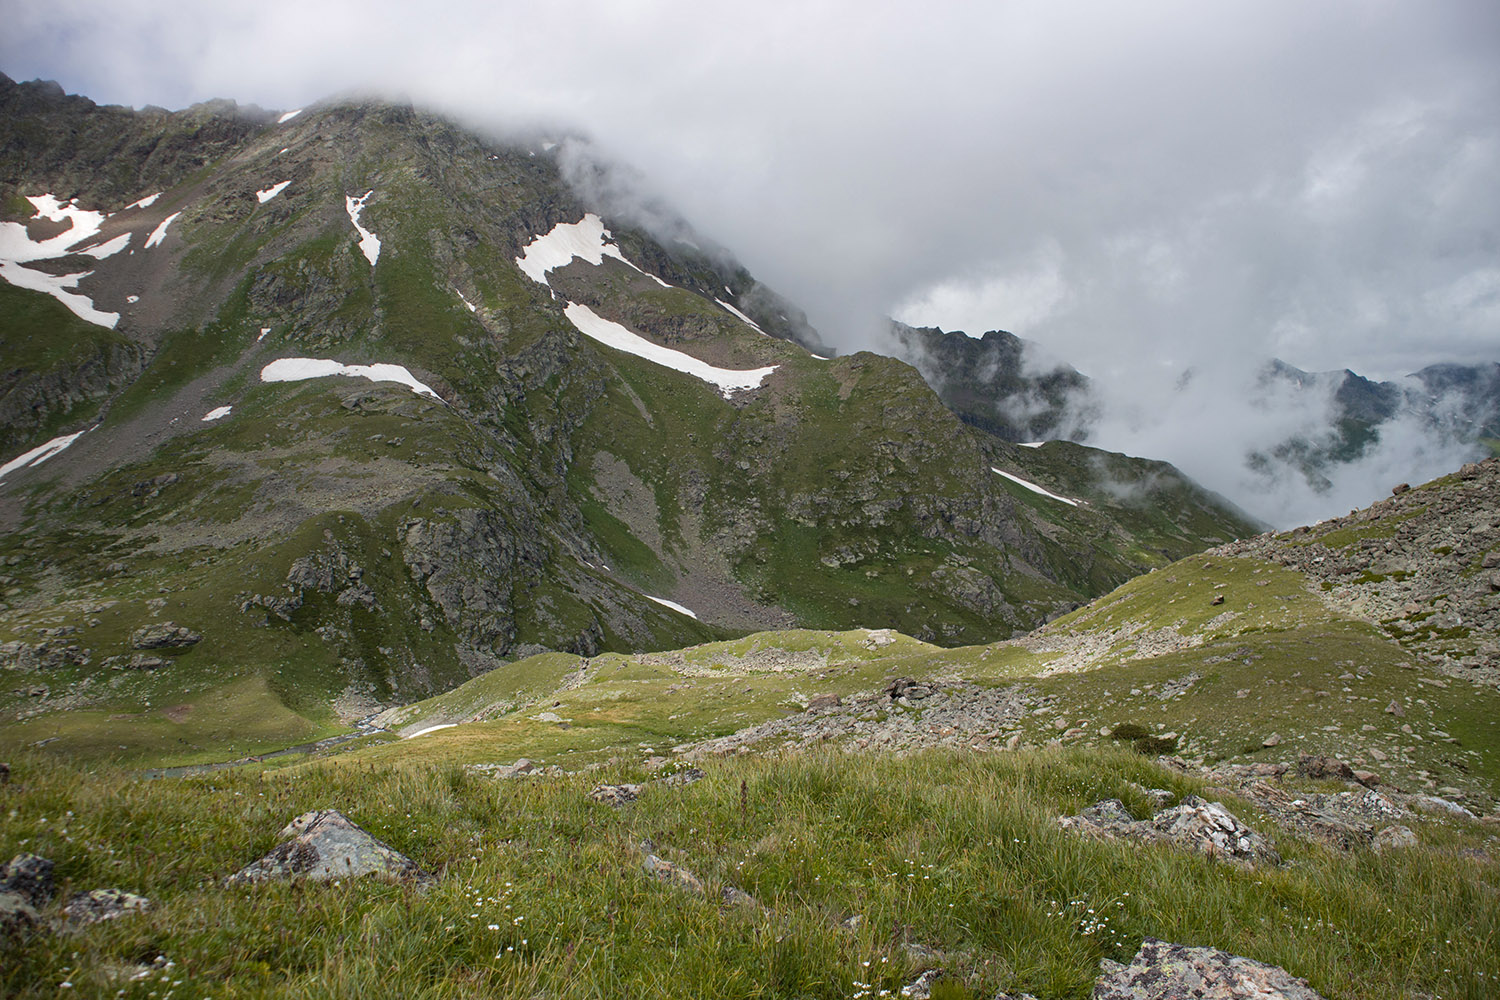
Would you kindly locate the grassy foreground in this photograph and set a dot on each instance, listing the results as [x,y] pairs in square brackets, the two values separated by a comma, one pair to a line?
[950,859]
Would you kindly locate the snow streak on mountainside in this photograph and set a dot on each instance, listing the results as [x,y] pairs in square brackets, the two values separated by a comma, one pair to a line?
[587,240]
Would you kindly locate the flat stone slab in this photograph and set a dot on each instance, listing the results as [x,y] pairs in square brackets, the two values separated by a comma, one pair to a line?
[326,845]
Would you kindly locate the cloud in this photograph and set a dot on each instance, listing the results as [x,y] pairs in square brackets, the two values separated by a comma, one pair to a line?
[1142,188]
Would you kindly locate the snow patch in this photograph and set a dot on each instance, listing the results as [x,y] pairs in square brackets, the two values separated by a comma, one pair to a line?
[108,249]
[1030,444]
[263,331]
[586,239]
[57,286]
[743,318]
[160,232]
[612,334]
[673,605]
[132,299]
[288,116]
[1033,487]
[271,192]
[466,301]
[369,243]
[40,454]
[145,202]
[217,413]
[301,369]
[430,729]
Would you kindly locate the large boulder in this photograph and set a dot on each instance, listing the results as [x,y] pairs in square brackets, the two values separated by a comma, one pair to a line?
[1163,971]
[102,904]
[325,845]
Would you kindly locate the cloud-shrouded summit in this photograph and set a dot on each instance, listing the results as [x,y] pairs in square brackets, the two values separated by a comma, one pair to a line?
[1145,190]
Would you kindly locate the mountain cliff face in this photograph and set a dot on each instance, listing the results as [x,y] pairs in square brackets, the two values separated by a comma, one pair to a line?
[369,404]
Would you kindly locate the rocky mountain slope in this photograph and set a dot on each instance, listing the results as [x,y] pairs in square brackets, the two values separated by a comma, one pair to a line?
[367,404]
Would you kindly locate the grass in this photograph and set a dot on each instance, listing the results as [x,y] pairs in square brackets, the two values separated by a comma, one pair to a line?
[540,889]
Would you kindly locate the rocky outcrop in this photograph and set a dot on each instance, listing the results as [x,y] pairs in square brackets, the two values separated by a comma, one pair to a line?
[164,635]
[1420,565]
[468,564]
[1163,971]
[48,654]
[326,845]
[1196,824]
[25,889]
[91,907]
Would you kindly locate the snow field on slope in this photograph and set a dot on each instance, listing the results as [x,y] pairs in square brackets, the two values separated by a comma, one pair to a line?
[586,239]
[301,369]
[160,232]
[742,317]
[267,194]
[674,606]
[40,454]
[288,116]
[1033,487]
[17,248]
[217,413]
[612,334]
[369,243]
[145,202]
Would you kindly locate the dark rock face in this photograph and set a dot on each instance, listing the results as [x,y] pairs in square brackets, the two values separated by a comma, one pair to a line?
[1163,971]
[25,889]
[326,845]
[165,635]
[985,382]
[45,655]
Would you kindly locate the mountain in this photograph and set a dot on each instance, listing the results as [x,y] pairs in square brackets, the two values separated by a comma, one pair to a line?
[324,411]
[995,383]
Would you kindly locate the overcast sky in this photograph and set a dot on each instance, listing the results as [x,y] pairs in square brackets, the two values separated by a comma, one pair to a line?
[1141,187]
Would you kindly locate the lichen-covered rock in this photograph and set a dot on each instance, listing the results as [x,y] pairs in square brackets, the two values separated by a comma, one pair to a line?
[86,908]
[325,845]
[1205,827]
[1394,838]
[25,888]
[1164,971]
[30,876]
[616,795]
[164,635]
[1209,828]
[673,875]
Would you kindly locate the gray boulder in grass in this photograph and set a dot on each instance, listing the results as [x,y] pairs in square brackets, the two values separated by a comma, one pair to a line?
[325,845]
[1164,971]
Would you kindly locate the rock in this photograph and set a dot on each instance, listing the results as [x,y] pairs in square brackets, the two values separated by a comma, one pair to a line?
[1271,741]
[17,915]
[1218,599]
[25,889]
[823,701]
[673,875]
[730,896]
[1318,766]
[325,845]
[139,661]
[164,635]
[1395,837]
[1367,778]
[921,987]
[30,876]
[1400,488]
[685,777]
[4,774]
[1163,971]
[1209,828]
[616,795]
[102,904]
[1433,804]
[905,687]
[1394,708]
